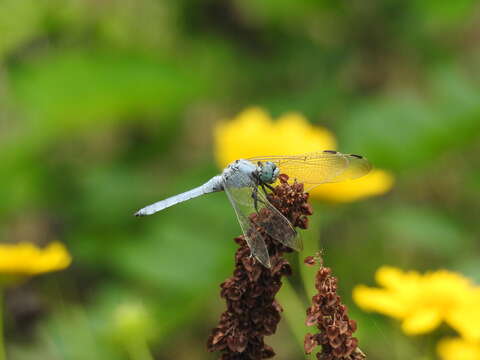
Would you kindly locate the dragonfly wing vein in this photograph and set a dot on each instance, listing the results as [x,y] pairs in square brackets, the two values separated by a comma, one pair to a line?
[320,167]
[242,203]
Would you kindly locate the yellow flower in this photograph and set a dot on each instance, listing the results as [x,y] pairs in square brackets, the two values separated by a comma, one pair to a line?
[458,349]
[422,302]
[465,318]
[377,182]
[254,133]
[25,259]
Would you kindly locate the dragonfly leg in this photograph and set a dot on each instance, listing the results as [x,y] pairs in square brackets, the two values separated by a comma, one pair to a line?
[269,186]
[255,198]
[263,188]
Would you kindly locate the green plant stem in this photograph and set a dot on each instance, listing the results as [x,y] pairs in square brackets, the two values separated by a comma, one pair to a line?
[294,313]
[138,350]
[2,341]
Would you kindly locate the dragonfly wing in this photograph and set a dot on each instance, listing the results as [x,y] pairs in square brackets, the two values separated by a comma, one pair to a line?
[278,226]
[242,203]
[268,218]
[320,167]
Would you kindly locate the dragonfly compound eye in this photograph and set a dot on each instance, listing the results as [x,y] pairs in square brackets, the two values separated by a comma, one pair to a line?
[269,172]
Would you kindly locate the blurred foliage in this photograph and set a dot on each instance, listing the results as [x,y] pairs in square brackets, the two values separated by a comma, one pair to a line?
[106,106]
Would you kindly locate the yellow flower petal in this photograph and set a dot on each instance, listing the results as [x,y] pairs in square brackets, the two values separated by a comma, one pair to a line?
[465,317]
[423,301]
[246,136]
[378,182]
[27,259]
[397,280]
[378,300]
[422,321]
[458,349]
[254,133]
[296,135]
[389,276]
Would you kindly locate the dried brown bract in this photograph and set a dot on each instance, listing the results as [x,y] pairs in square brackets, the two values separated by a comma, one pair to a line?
[252,312]
[330,316]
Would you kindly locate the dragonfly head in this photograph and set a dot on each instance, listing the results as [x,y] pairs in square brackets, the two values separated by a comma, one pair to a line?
[268,172]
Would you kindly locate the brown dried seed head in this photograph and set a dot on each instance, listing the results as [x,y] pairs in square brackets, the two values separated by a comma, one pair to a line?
[310,343]
[252,312]
[331,318]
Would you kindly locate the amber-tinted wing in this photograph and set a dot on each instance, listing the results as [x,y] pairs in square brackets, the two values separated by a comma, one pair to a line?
[320,167]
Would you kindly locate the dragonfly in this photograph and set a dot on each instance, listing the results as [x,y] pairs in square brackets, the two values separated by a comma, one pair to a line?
[247,182]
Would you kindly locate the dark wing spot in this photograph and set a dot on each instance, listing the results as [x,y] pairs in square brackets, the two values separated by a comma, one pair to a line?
[357,156]
[330,151]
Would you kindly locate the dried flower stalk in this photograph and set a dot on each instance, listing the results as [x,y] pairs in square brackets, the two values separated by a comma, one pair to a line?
[330,316]
[252,311]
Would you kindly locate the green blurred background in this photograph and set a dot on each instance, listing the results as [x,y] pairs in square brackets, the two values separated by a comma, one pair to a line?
[106,106]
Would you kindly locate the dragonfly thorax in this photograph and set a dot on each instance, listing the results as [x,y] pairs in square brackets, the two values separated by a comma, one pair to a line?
[267,172]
